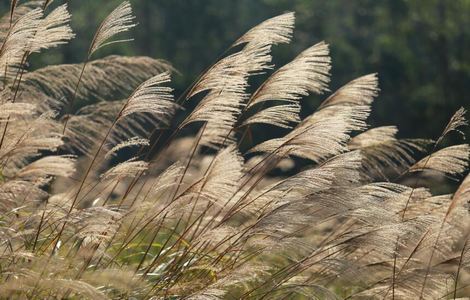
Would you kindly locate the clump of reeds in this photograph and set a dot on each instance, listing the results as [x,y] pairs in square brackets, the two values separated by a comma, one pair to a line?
[114,200]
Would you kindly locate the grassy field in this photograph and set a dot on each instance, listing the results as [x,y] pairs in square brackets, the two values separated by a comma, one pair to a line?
[113,187]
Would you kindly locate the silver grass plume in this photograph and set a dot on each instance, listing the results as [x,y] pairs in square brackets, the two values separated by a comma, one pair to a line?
[17,10]
[309,182]
[452,160]
[49,166]
[12,111]
[17,41]
[97,225]
[134,141]
[220,111]
[230,73]
[121,280]
[307,73]
[221,179]
[148,99]
[112,75]
[235,230]
[151,97]
[320,136]
[464,190]
[360,91]
[58,286]
[460,197]
[118,21]
[28,140]
[348,100]
[283,116]
[227,82]
[53,30]
[382,151]
[272,31]
[84,127]
[166,179]
[129,168]
[458,120]
[12,192]
[373,136]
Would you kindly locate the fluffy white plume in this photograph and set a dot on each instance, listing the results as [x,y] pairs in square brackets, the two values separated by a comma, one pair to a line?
[272,31]
[53,30]
[151,97]
[383,152]
[283,115]
[360,91]
[129,168]
[308,72]
[452,160]
[134,141]
[458,120]
[320,136]
[118,21]
[17,41]
[230,73]
[49,166]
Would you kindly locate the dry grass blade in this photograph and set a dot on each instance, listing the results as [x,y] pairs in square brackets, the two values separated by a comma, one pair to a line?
[47,3]
[118,21]
[13,4]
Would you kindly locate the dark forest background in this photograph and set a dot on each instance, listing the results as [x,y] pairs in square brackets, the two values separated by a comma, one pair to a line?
[420,48]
